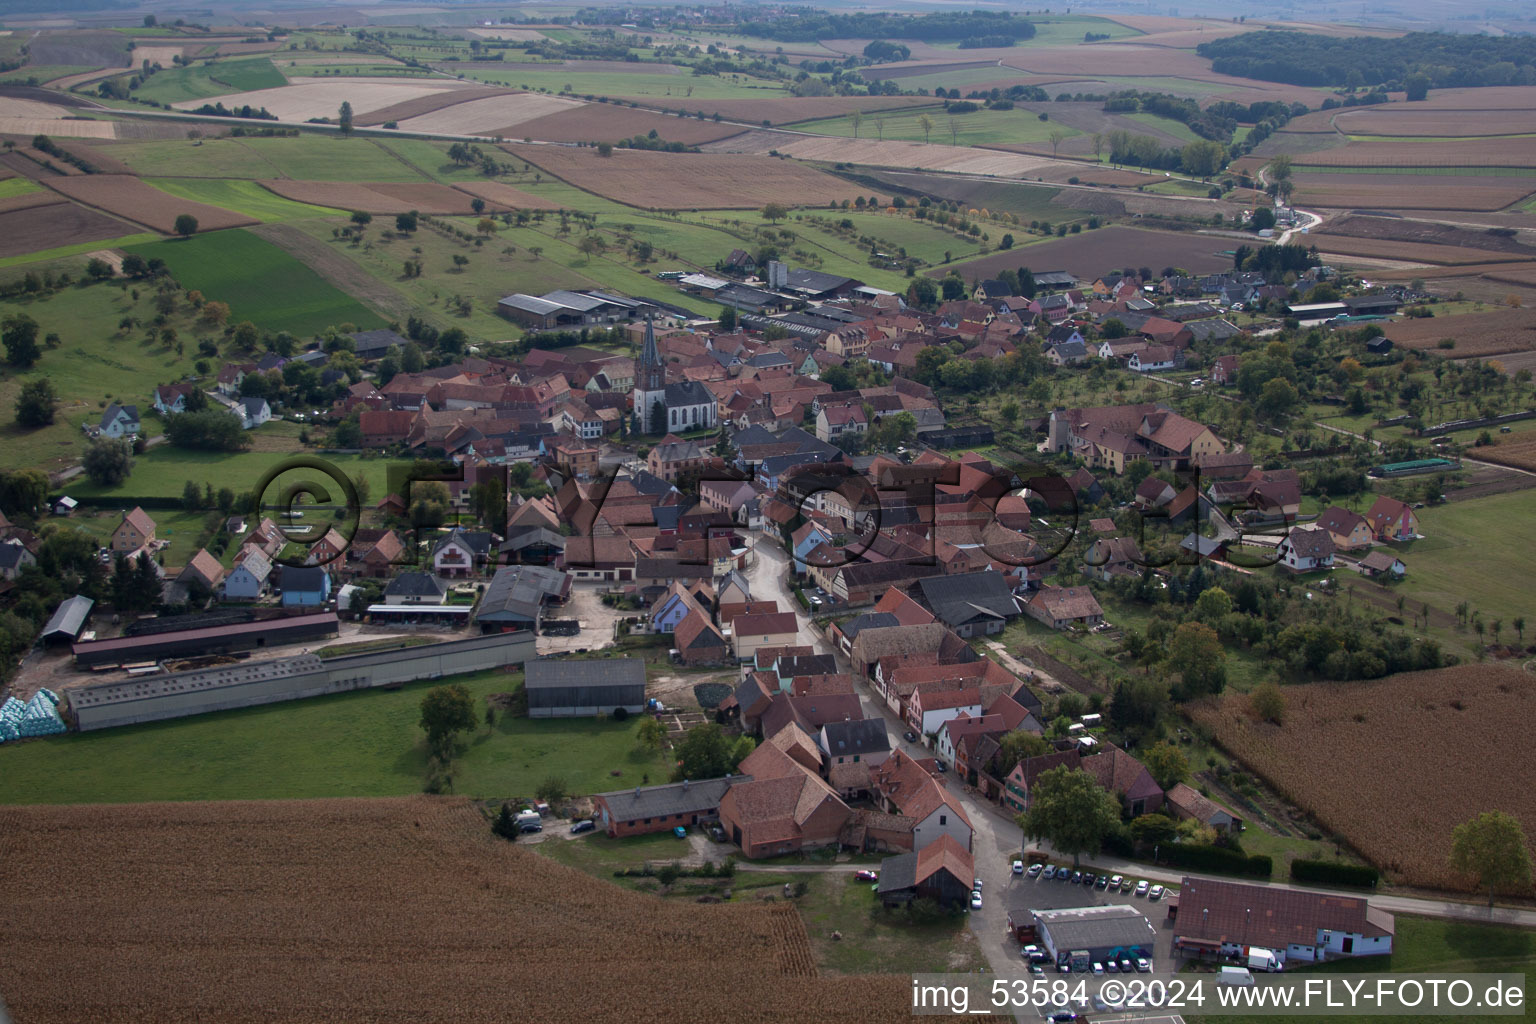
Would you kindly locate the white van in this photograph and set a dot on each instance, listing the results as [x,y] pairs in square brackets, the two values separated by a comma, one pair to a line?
[1235,976]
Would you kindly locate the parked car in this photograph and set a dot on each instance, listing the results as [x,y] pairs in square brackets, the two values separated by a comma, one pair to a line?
[1115,883]
[1098,968]
[1018,867]
[1101,883]
[1111,967]
[1035,870]
[1048,873]
[585,825]
[681,831]
[976,884]
[909,736]
[531,826]
[866,875]
[1143,965]
[1028,952]
[1063,1015]
[975,901]
[1036,969]
[1126,967]
[940,765]
[1077,878]
[1089,878]
[1141,888]
[1156,893]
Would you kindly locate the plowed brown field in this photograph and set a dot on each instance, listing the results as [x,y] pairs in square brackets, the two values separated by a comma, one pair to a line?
[375,911]
[1476,334]
[1389,119]
[128,197]
[33,229]
[1408,779]
[428,103]
[790,109]
[1516,152]
[1364,191]
[1377,248]
[701,181]
[1093,252]
[603,122]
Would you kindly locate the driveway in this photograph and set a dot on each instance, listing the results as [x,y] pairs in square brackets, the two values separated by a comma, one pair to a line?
[769,579]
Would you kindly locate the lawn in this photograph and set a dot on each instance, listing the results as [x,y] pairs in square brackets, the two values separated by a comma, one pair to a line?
[876,940]
[242,196]
[984,127]
[364,743]
[261,283]
[1426,944]
[196,81]
[163,471]
[42,72]
[181,529]
[309,156]
[1481,551]
[94,363]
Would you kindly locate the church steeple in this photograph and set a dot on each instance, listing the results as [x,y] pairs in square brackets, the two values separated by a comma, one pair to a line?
[651,371]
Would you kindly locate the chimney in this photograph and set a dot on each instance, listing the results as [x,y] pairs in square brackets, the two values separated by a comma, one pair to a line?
[685,785]
[637,792]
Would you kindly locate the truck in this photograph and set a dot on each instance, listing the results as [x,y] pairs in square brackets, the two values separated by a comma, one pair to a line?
[1235,976]
[1264,960]
[1081,962]
[527,816]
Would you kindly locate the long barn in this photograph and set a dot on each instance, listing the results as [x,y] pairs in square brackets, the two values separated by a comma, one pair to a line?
[192,643]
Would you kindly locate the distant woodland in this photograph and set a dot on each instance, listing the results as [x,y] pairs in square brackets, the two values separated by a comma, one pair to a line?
[1302,58]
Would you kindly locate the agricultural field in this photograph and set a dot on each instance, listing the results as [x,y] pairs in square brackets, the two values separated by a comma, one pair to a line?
[241,196]
[1407,736]
[606,122]
[1026,201]
[261,283]
[1490,333]
[132,199]
[197,81]
[163,470]
[31,225]
[330,875]
[646,87]
[307,157]
[915,156]
[1514,153]
[984,127]
[378,198]
[1090,253]
[1378,189]
[700,180]
[491,115]
[1518,451]
[1417,252]
[323,97]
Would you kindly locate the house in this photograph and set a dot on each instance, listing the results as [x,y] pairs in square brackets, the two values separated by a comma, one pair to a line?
[1021,778]
[1064,607]
[783,808]
[931,704]
[697,640]
[1154,493]
[65,506]
[1379,346]
[1350,531]
[1109,557]
[833,422]
[578,687]
[119,421]
[942,871]
[462,552]
[633,812]
[1121,774]
[905,786]
[134,532]
[1226,918]
[415,588]
[202,569]
[950,742]
[673,457]
[860,741]
[1306,550]
[247,581]
[1086,486]
[170,399]
[1224,370]
[1117,435]
[1390,519]
[253,411]
[971,604]
[67,620]
[305,586]
[672,607]
[1152,358]
[1189,805]
[1383,563]
[773,629]
[517,595]
[14,557]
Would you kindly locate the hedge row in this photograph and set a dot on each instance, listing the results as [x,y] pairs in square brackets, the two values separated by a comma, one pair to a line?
[1330,871]
[1216,858]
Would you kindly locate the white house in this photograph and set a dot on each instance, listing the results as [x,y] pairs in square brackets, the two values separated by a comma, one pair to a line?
[931,705]
[119,421]
[172,398]
[1306,550]
[248,580]
[1153,357]
[253,411]
[460,552]
[905,786]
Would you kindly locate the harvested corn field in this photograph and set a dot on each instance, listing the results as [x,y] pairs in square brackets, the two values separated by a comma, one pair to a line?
[377,197]
[373,910]
[905,156]
[1357,191]
[1519,452]
[703,181]
[490,115]
[128,197]
[1407,780]
[1475,334]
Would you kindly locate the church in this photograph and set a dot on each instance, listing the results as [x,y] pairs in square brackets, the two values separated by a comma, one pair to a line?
[663,408]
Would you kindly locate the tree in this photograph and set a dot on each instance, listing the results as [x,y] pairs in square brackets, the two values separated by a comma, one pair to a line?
[774,212]
[1018,745]
[19,334]
[488,501]
[1202,158]
[1152,829]
[591,245]
[186,225]
[1416,88]
[23,491]
[344,118]
[1113,328]
[405,221]
[1009,412]
[191,496]
[727,320]
[552,790]
[926,124]
[1277,398]
[36,404]
[1057,138]
[1212,605]
[505,824]
[98,269]
[704,752]
[652,734]
[196,400]
[1167,764]
[108,461]
[1491,848]
[858,119]
[1268,703]
[1262,220]
[446,711]
[1194,651]
[1069,810]
[211,430]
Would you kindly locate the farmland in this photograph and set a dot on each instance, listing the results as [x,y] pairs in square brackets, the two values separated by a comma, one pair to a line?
[937,156]
[1027,202]
[374,748]
[981,128]
[410,901]
[1476,334]
[1420,252]
[1509,153]
[700,181]
[132,199]
[603,122]
[1407,736]
[1376,189]
[163,470]
[492,115]
[323,97]
[197,81]
[260,282]
[241,196]
[1517,452]
[376,197]
[54,225]
[1087,254]
[319,157]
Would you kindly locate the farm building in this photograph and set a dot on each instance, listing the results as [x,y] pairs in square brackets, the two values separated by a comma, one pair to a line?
[1224,917]
[576,687]
[1189,804]
[68,620]
[1106,932]
[972,603]
[633,812]
[517,595]
[150,698]
[941,871]
[189,643]
[562,308]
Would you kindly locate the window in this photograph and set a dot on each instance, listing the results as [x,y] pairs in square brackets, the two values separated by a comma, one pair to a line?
[943,819]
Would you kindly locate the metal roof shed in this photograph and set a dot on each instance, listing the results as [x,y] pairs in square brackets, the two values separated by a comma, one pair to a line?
[68,619]
[568,688]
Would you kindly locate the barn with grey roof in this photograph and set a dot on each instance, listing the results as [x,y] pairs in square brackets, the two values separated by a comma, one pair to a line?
[576,687]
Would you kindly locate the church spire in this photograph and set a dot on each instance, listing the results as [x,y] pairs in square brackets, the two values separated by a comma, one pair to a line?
[649,357]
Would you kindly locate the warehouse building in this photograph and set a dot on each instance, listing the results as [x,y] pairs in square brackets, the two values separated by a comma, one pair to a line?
[573,687]
[517,595]
[1109,932]
[662,808]
[193,643]
[178,694]
[68,619]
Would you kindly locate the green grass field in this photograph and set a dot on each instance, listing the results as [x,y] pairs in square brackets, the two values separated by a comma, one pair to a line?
[43,72]
[1166,125]
[163,470]
[984,127]
[1481,551]
[364,743]
[242,196]
[180,529]
[197,81]
[305,157]
[665,89]
[261,282]
[302,71]
[18,187]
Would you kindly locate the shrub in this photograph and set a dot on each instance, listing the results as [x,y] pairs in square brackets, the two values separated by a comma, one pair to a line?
[1331,872]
